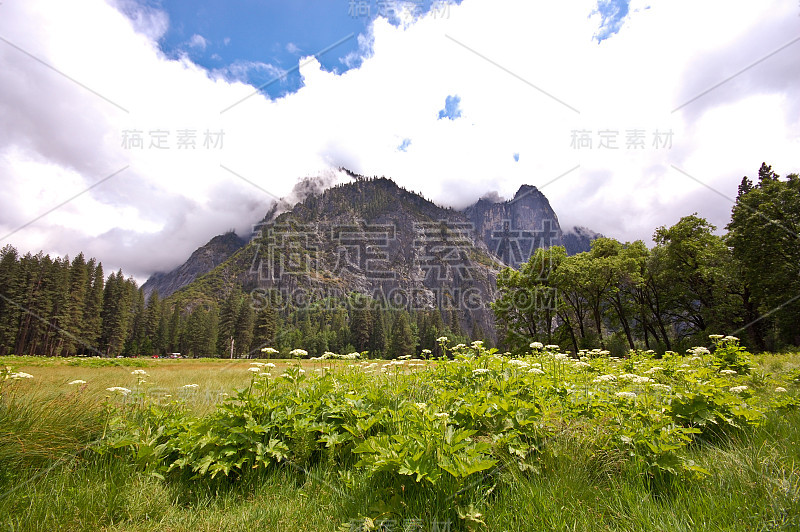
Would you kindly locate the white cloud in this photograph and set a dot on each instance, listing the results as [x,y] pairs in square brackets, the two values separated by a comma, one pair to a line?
[198,41]
[59,137]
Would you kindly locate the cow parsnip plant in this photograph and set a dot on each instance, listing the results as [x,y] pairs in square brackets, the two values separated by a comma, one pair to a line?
[467,421]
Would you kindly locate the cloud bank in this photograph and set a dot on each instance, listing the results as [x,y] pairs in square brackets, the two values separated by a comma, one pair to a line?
[656,121]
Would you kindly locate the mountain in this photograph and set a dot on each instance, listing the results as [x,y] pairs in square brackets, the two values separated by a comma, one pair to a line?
[579,239]
[202,261]
[369,237]
[373,237]
[512,230]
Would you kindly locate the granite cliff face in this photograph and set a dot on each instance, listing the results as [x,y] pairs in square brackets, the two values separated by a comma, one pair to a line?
[512,230]
[375,238]
[578,239]
[370,237]
[202,261]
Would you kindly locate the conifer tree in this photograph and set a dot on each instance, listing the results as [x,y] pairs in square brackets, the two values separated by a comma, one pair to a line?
[377,339]
[403,341]
[92,311]
[10,294]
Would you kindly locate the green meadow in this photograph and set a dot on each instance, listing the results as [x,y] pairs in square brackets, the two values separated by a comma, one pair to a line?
[477,441]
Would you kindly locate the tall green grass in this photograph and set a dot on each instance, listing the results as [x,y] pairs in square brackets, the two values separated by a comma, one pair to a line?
[49,480]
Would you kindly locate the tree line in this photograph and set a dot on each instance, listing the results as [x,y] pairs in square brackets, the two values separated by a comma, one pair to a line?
[58,307]
[617,296]
[692,283]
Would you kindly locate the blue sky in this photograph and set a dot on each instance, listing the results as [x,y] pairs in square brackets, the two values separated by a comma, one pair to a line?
[259,41]
[476,101]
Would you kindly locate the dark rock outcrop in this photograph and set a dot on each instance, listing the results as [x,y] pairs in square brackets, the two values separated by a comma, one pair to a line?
[512,230]
[579,239]
[202,261]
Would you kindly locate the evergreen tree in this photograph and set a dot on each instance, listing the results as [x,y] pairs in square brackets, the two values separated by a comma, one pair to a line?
[118,299]
[378,344]
[73,325]
[266,327]
[403,341]
[765,222]
[137,339]
[92,311]
[57,289]
[174,331]
[360,323]
[243,330]
[10,295]
[152,321]
[228,317]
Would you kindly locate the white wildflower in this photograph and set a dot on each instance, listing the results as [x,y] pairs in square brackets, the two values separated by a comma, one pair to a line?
[254,370]
[738,389]
[20,375]
[641,380]
[77,381]
[715,336]
[551,347]
[119,389]
[190,386]
[441,339]
[582,364]
[421,406]
[626,395]
[518,363]
[269,365]
[298,353]
[480,371]
[536,345]
[139,372]
[654,369]
[780,389]
[728,372]
[259,364]
[731,339]
[536,371]
[605,378]
[662,387]
[442,415]
[269,351]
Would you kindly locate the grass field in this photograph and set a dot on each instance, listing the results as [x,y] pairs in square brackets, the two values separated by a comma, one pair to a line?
[578,477]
